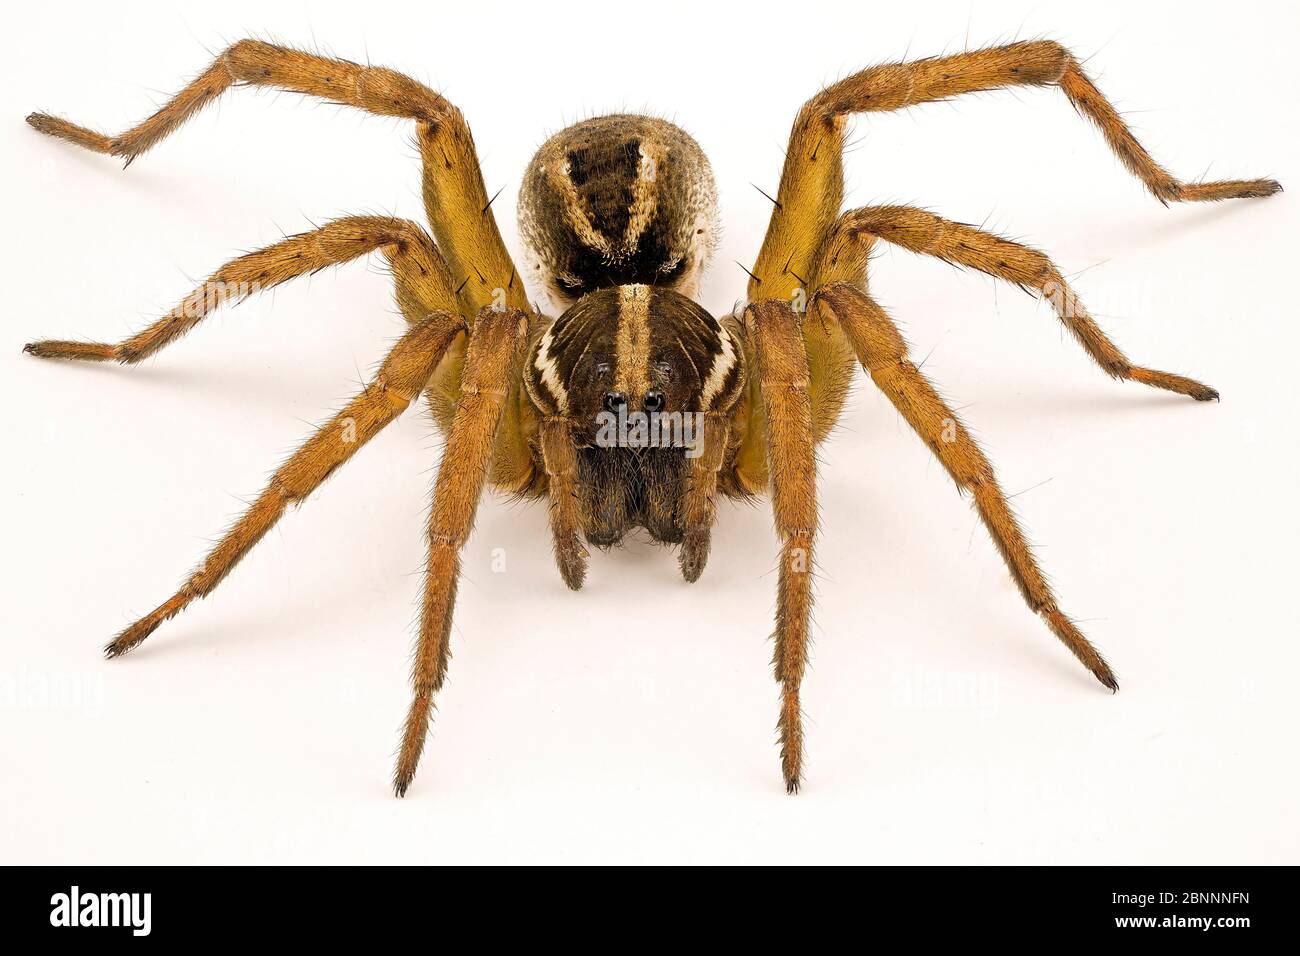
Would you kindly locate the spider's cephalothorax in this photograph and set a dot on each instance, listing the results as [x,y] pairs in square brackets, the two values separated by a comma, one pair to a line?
[619,216]
[636,370]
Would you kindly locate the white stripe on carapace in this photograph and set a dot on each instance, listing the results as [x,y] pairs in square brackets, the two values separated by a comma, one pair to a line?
[550,375]
[723,363]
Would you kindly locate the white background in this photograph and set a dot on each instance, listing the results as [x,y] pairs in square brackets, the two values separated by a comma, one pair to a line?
[634,721]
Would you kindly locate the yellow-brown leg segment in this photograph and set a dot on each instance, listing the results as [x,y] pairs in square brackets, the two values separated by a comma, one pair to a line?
[490,363]
[699,503]
[883,353]
[421,278]
[777,335]
[560,455]
[399,380]
[926,233]
[811,188]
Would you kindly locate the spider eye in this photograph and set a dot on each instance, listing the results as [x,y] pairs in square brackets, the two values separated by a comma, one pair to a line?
[603,368]
[664,369]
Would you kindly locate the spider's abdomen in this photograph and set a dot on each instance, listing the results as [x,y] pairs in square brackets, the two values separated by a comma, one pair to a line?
[618,200]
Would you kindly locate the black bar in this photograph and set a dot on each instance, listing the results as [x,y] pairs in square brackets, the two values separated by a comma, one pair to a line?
[1220,906]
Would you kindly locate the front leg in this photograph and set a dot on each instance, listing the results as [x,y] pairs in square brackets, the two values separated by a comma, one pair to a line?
[782,375]
[490,362]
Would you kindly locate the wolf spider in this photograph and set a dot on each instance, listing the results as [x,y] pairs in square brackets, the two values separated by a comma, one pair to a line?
[619,217]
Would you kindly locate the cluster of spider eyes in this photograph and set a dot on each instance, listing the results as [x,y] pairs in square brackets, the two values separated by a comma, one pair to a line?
[616,401]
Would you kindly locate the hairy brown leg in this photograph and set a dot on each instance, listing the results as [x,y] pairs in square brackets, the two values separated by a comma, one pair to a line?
[399,380]
[560,456]
[883,353]
[254,63]
[491,363]
[782,373]
[421,277]
[455,198]
[699,503]
[811,188]
[926,233]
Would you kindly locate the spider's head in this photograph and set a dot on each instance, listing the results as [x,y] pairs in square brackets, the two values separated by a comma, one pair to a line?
[618,200]
[633,348]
